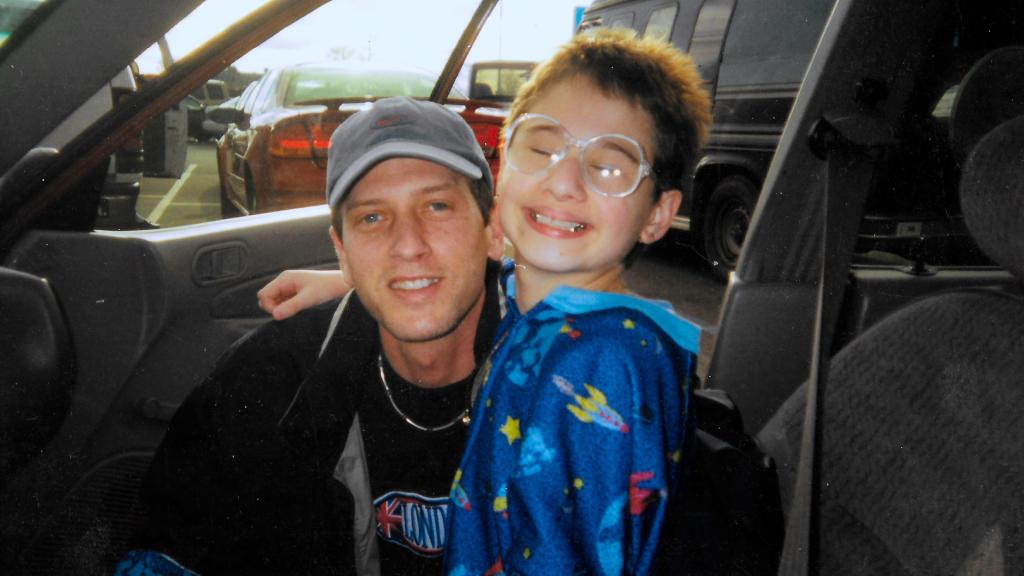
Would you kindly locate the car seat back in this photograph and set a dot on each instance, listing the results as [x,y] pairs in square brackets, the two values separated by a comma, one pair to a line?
[36,369]
[923,442]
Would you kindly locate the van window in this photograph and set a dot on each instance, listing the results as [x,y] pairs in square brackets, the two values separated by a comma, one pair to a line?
[659,25]
[620,20]
[771,41]
[708,36]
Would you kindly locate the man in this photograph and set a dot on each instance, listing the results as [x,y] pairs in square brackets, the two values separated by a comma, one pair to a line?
[282,462]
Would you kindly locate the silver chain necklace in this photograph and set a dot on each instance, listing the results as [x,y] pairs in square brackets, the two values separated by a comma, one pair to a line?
[462,417]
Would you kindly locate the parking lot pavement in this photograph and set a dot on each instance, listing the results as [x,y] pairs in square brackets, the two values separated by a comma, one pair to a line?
[190,199]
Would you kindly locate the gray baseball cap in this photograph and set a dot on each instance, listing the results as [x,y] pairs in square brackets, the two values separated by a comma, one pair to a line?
[400,127]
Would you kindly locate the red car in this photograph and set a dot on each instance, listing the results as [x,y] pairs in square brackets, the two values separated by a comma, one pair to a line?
[273,155]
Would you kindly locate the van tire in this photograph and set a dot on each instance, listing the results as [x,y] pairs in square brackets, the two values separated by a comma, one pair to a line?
[726,219]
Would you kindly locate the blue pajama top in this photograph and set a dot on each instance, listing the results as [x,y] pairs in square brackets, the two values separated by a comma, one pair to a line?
[579,436]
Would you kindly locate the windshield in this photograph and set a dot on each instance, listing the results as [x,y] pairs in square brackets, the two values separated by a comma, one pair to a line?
[313,84]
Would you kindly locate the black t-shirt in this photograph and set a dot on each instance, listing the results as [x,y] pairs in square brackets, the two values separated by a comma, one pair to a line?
[411,470]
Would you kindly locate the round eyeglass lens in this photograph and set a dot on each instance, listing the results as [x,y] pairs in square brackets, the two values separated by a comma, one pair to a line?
[536,144]
[611,164]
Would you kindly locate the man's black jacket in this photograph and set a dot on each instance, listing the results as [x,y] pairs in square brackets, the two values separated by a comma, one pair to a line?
[242,482]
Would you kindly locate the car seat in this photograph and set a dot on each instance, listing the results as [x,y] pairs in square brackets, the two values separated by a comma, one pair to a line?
[36,369]
[922,466]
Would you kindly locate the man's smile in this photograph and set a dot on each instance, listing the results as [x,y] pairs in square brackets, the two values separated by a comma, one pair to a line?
[413,283]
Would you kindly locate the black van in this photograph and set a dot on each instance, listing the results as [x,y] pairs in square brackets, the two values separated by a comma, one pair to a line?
[753,54]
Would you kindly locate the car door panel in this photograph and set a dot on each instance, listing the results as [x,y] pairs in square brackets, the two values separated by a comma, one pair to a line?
[148,312]
[145,328]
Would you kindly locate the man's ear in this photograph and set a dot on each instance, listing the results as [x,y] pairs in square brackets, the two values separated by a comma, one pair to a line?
[661,216]
[495,235]
[339,249]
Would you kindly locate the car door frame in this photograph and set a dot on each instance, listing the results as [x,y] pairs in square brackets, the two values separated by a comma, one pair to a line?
[148,311]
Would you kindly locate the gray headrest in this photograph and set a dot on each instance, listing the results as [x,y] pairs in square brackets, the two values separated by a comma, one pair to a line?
[992,195]
[991,93]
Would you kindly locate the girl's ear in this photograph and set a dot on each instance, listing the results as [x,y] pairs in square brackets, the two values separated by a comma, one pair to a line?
[661,216]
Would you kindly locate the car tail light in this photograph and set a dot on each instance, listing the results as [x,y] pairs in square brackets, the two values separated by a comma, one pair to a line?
[299,140]
[489,137]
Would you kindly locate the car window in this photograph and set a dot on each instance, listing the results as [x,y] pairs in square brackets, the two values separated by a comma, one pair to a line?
[922,225]
[659,25]
[215,90]
[266,94]
[322,83]
[772,40]
[199,164]
[246,99]
[501,41]
[708,35]
[348,50]
[15,13]
[622,20]
[499,81]
[202,24]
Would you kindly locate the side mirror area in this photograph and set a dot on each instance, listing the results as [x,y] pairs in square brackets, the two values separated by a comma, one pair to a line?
[226,115]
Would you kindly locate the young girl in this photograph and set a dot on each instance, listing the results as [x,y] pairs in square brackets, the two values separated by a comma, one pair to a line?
[582,427]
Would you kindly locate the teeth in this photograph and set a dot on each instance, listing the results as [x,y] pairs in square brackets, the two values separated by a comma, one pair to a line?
[560,224]
[413,284]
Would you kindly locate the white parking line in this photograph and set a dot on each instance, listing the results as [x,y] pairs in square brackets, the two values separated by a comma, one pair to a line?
[158,212]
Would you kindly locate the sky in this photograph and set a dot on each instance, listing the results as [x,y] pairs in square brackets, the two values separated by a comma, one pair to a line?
[412,33]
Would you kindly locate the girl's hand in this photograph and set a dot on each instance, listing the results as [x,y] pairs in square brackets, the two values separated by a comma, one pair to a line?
[295,290]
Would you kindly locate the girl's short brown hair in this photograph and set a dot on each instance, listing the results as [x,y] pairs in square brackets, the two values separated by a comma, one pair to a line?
[651,74]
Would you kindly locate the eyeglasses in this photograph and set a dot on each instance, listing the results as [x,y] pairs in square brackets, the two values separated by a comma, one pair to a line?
[611,164]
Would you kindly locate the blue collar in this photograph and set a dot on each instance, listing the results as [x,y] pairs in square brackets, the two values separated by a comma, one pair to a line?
[579,301]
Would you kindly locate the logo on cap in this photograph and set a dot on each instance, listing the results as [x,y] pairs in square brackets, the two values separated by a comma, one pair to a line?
[392,120]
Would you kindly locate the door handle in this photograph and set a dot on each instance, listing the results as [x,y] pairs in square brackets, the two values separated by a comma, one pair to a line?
[222,262]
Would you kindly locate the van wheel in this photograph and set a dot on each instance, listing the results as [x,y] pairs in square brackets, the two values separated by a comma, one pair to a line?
[726,220]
